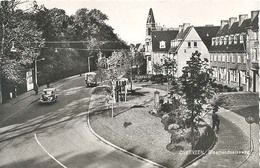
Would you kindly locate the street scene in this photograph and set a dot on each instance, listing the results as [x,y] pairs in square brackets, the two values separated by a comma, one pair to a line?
[106,84]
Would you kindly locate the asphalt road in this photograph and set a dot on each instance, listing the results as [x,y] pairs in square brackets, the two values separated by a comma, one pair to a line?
[57,135]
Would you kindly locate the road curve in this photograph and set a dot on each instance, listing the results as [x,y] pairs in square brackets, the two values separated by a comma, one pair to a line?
[57,135]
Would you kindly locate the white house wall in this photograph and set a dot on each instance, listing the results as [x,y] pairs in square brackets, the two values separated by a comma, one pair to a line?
[185,52]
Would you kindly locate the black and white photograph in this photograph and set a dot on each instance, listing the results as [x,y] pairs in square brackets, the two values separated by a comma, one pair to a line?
[129,84]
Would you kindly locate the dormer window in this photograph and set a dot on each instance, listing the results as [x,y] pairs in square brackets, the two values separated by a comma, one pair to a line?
[241,39]
[213,41]
[226,40]
[217,40]
[162,44]
[221,40]
[235,39]
[172,43]
[230,39]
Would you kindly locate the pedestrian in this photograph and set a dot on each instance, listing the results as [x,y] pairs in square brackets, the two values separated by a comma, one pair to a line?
[215,118]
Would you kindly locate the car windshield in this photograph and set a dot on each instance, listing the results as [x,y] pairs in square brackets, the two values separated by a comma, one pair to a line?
[48,92]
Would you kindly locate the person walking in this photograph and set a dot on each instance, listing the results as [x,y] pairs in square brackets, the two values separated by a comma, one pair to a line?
[215,118]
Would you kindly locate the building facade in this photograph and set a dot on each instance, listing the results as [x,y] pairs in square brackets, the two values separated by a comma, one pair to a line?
[189,40]
[234,53]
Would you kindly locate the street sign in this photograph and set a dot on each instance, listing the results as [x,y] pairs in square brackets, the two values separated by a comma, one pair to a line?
[250,120]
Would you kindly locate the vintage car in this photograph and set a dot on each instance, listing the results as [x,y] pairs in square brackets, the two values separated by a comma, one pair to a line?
[91,79]
[49,95]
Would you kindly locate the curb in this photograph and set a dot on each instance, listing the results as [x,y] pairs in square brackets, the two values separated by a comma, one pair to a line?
[203,154]
[117,147]
[134,155]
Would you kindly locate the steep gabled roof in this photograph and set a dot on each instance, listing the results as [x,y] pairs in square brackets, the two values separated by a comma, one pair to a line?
[150,18]
[223,31]
[163,35]
[242,28]
[181,36]
[206,33]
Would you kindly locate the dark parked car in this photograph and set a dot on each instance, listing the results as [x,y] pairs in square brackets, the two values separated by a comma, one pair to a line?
[160,78]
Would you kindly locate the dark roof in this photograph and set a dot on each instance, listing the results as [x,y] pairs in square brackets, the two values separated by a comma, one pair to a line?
[235,28]
[181,36]
[254,22]
[150,18]
[227,30]
[206,33]
[163,35]
[242,28]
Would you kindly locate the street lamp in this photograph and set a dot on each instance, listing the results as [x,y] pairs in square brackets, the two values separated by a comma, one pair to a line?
[89,63]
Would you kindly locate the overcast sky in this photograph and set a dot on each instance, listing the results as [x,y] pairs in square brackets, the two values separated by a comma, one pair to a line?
[128,17]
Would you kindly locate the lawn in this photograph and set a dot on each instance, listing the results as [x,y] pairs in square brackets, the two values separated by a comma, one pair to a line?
[243,104]
[136,130]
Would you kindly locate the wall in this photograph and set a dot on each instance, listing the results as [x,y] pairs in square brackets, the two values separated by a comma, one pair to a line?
[185,52]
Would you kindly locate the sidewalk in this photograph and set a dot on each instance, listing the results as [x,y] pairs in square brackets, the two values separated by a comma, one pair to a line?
[22,101]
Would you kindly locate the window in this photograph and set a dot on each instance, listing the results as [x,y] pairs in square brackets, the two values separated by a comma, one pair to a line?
[189,44]
[223,58]
[215,72]
[221,42]
[219,57]
[162,44]
[228,58]
[239,59]
[213,41]
[172,43]
[149,58]
[230,39]
[243,38]
[235,39]
[243,77]
[195,44]
[255,55]
[217,40]
[233,58]
[222,72]
[161,60]
[211,57]
[244,61]
[215,57]
[226,40]
[233,75]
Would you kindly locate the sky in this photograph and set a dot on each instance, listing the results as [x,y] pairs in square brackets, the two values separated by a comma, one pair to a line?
[128,17]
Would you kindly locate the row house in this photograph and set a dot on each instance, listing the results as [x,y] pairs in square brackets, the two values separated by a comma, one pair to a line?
[234,52]
[178,44]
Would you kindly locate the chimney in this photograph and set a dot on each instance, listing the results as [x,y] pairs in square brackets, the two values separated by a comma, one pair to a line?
[242,18]
[180,28]
[185,25]
[232,20]
[253,14]
[223,23]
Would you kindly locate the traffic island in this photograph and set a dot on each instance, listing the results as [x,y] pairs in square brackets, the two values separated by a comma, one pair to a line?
[137,131]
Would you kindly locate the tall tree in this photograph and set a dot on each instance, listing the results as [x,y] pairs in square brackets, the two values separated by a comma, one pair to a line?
[196,87]
[19,32]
